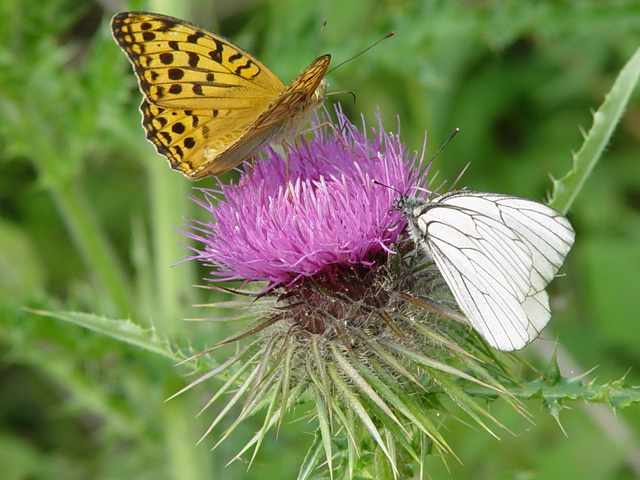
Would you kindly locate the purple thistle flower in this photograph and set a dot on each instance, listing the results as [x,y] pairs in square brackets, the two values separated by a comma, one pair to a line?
[359,323]
[331,216]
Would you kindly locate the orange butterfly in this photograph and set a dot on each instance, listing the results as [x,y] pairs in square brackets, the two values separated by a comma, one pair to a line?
[209,105]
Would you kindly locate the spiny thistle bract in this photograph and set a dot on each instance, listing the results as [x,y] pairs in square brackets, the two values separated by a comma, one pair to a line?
[350,318]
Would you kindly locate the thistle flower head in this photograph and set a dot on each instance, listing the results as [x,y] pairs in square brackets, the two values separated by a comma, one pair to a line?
[329,216]
[353,319]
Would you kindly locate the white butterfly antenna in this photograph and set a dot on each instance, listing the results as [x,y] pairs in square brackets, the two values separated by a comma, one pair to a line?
[376,182]
[444,182]
[446,142]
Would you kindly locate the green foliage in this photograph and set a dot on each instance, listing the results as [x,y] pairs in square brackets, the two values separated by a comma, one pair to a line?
[87,210]
[605,121]
[122,330]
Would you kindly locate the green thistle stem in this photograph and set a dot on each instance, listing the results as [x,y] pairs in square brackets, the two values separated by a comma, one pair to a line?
[173,293]
[92,244]
[617,394]
[169,203]
[185,463]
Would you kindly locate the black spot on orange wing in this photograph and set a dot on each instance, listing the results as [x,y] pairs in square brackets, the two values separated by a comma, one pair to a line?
[166,58]
[193,38]
[166,25]
[216,55]
[175,74]
[194,59]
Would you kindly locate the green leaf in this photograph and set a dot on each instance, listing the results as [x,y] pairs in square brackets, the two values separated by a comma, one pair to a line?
[312,459]
[356,406]
[554,392]
[123,330]
[605,120]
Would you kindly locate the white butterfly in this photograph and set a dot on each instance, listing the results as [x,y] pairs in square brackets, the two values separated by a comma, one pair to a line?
[497,253]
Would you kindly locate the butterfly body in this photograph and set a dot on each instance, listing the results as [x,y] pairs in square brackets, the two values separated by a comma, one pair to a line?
[209,105]
[497,254]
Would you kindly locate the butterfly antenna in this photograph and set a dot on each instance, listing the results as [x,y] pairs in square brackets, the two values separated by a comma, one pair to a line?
[390,34]
[446,142]
[394,189]
[376,182]
[324,24]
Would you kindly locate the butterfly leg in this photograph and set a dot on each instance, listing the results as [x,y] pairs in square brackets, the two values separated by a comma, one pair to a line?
[249,172]
[287,151]
[337,133]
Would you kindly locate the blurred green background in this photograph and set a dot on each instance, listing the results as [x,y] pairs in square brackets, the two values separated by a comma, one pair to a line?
[87,210]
